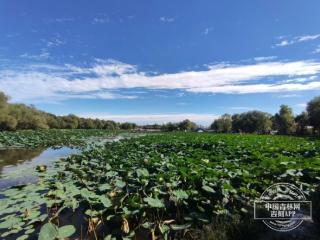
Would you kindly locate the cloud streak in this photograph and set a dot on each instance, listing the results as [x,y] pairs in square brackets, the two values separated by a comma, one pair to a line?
[297,39]
[105,77]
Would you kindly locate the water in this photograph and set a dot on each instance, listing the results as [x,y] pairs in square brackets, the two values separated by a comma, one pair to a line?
[17,166]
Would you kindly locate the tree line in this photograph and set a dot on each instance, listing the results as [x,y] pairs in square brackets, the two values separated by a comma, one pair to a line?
[284,122]
[21,116]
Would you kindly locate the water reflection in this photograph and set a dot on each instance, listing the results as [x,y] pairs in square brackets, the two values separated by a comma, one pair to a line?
[17,166]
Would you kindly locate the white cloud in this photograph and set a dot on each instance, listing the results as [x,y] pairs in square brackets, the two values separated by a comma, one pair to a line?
[166,19]
[241,108]
[103,78]
[201,118]
[302,105]
[307,38]
[259,88]
[301,79]
[297,39]
[283,43]
[263,59]
[289,96]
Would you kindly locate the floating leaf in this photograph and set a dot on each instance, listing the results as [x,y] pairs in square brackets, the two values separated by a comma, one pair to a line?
[105,201]
[48,231]
[66,231]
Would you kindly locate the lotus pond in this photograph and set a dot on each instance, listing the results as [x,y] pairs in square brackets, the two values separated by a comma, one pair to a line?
[162,186]
[49,138]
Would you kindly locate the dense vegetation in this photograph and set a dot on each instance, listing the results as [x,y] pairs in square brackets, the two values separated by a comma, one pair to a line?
[52,137]
[160,185]
[20,116]
[284,122]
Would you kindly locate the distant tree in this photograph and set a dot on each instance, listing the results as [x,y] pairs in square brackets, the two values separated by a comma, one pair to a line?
[32,122]
[284,120]
[52,121]
[152,126]
[69,122]
[302,121]
[110,125]
[170,127]
[187,125]
[222,124]
[237,123]
[313,109]
[128,126]
[254,122]
[3,100]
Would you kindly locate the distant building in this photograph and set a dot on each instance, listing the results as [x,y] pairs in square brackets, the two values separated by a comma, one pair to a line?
[200,130]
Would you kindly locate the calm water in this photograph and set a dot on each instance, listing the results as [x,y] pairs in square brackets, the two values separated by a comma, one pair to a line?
[17,166]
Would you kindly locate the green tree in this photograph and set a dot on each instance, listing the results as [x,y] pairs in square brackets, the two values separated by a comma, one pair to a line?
[222,124]
[284,120]
[128,126]
[70,122]
[237,123]
[3,100]
[170,127]
[257,122]
[313,109]
[187,125]
[302,121]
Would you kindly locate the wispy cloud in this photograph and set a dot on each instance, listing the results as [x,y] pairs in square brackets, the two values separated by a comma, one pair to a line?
[61,20]
[201,118]
[167,19]
[100,20]
[207,31]
[317,50]
[298,39]
[43,55]
[55,42]
[103,77]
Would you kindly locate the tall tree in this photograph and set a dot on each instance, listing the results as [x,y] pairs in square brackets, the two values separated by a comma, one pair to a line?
[302,121]
[313,109]
[284,120]
[252,122]
[222,124]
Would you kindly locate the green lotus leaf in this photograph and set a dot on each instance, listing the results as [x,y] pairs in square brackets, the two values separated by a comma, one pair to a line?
[105,201]
[154,202]
[48,231]
[66,231]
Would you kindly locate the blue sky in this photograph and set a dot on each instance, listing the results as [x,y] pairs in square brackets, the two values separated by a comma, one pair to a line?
[158,61]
